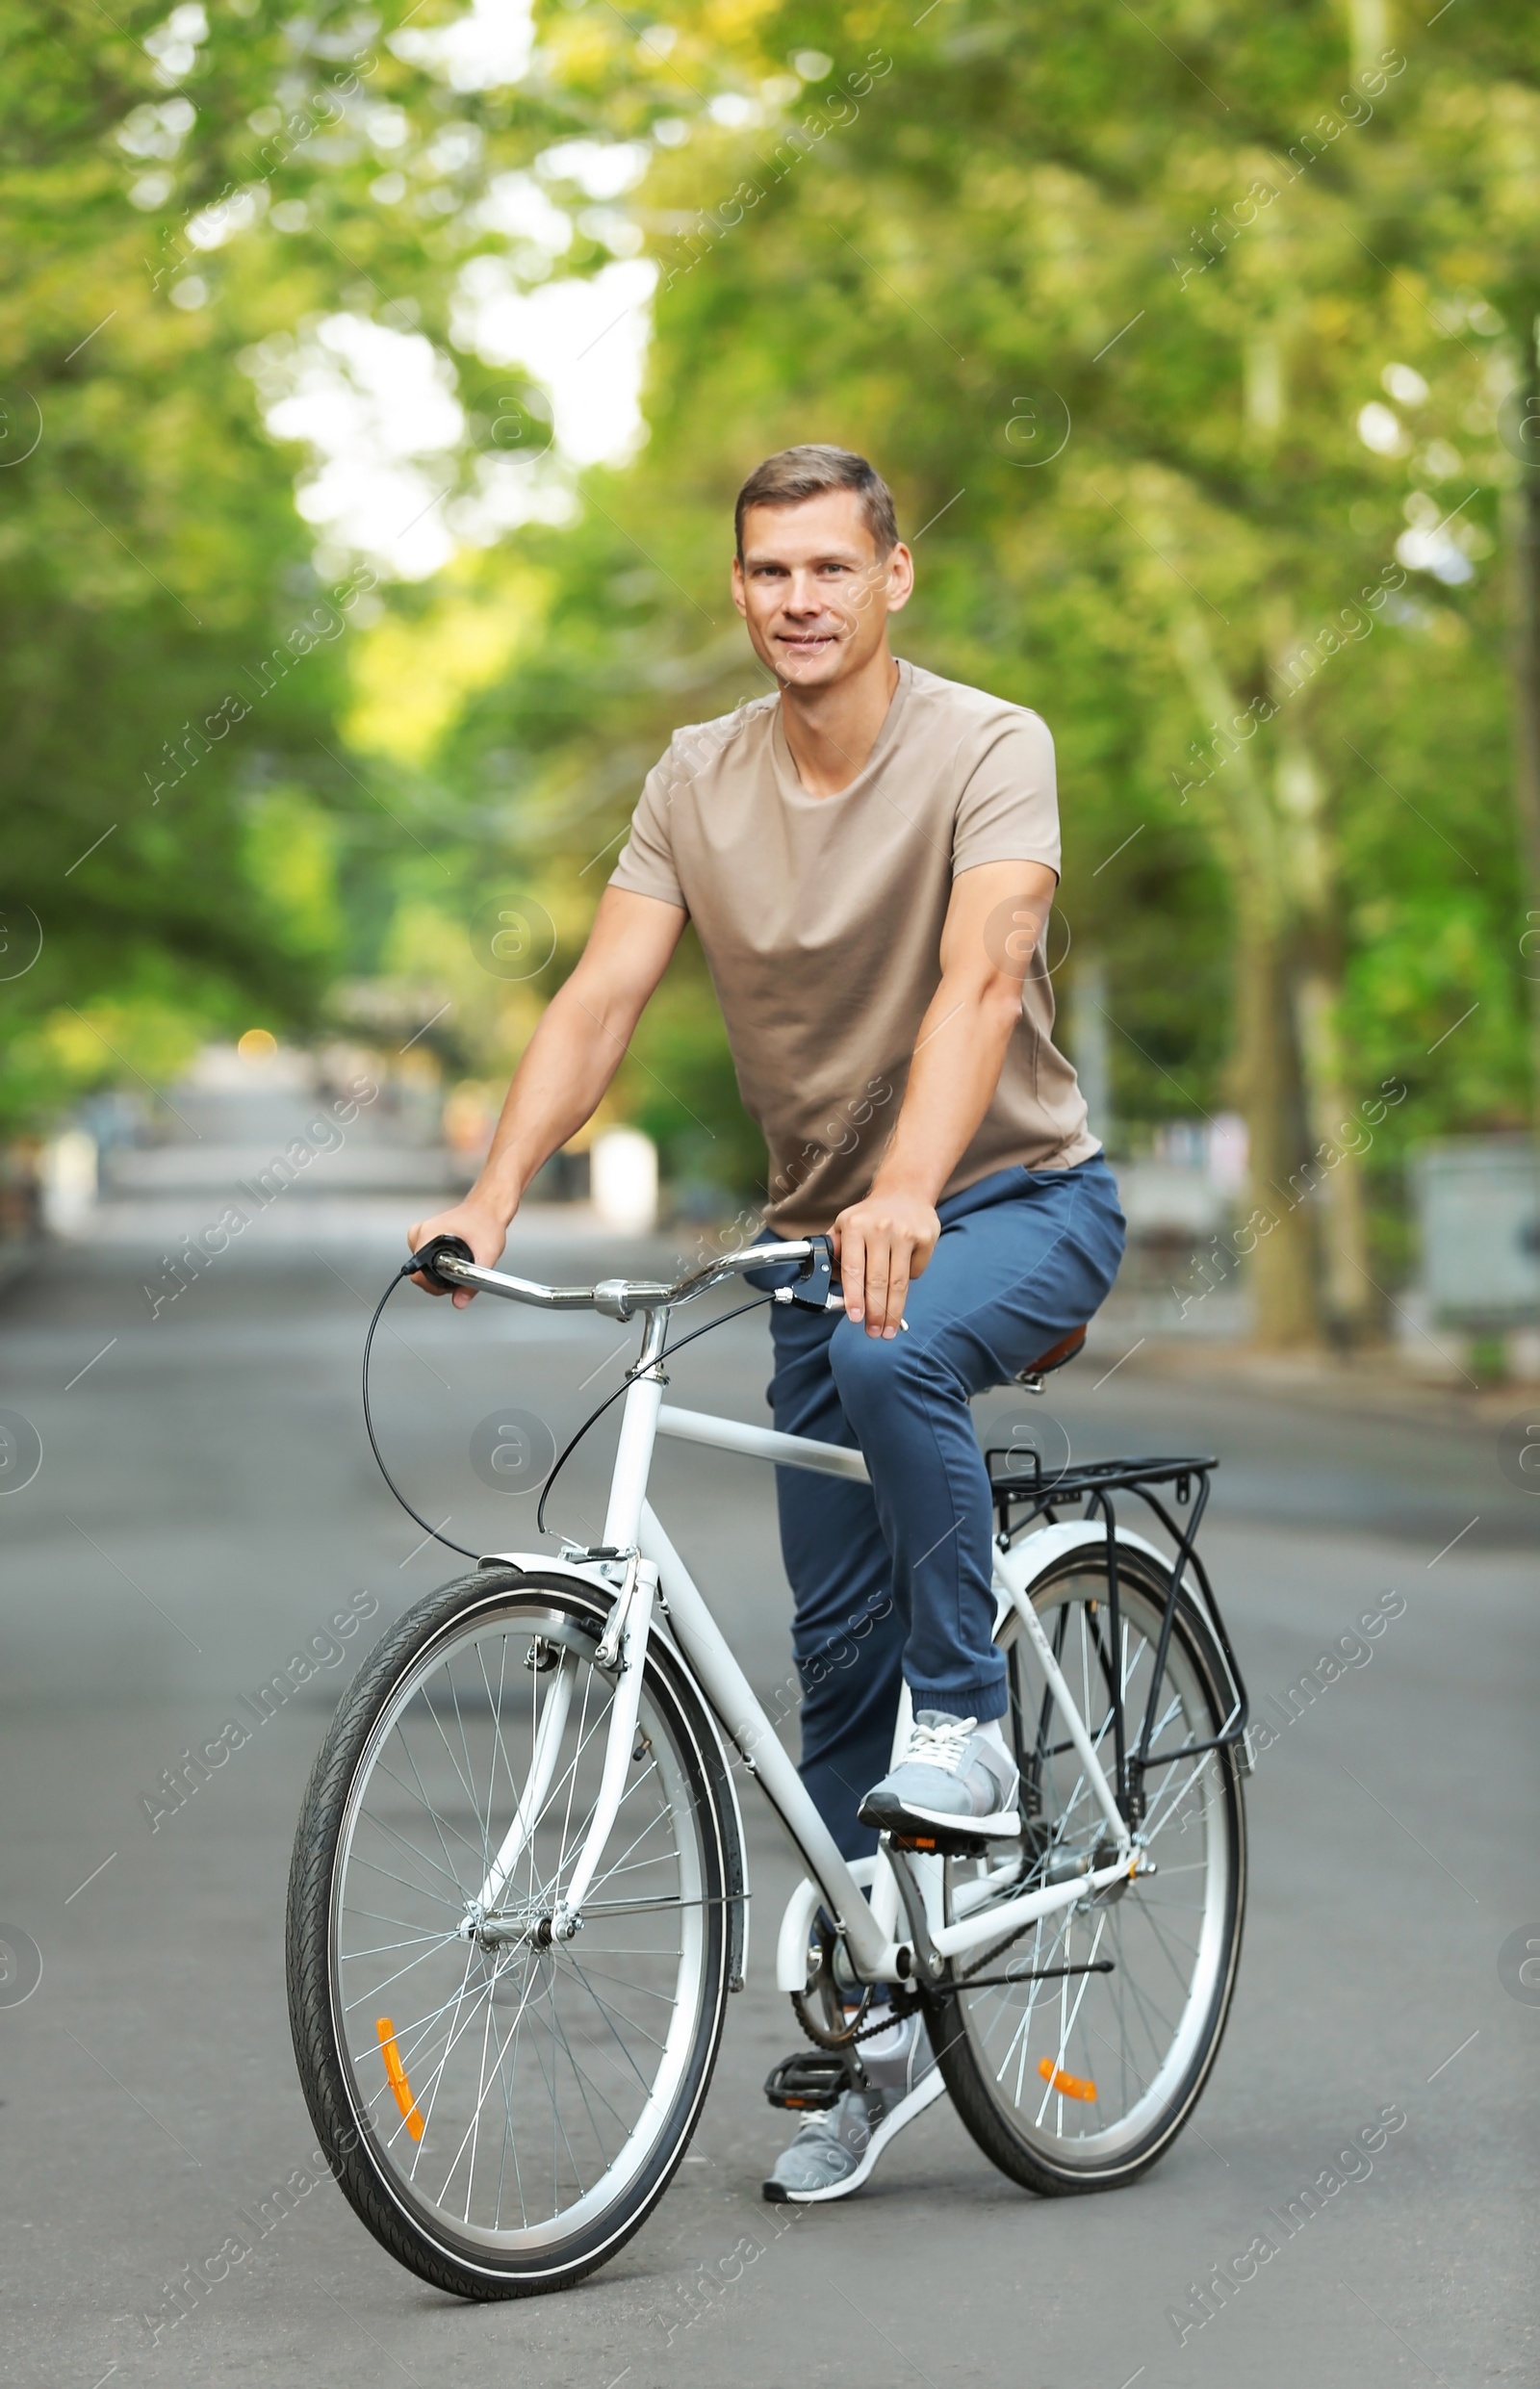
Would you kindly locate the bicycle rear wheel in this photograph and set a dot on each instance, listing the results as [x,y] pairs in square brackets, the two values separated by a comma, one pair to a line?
[501,2109]
[1080,2080]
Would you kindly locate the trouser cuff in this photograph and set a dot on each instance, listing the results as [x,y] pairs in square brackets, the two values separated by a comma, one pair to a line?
[982,1701]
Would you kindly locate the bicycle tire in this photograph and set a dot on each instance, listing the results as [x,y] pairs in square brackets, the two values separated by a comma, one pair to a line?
[355,2123]
[968,2046]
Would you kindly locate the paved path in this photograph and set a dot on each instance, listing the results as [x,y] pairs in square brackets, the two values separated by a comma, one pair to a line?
[206,1498]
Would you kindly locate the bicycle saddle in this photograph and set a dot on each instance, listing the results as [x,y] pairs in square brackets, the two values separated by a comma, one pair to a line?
[1054,1357]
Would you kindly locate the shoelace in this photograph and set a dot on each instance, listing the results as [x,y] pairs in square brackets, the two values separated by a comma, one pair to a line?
[943,1746]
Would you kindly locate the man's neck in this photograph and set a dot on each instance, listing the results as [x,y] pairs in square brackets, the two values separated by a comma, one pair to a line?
[831,732]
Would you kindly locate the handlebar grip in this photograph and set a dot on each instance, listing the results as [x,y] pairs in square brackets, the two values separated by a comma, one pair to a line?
[438,1249]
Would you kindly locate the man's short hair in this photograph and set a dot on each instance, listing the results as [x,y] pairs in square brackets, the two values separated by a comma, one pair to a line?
[785,479]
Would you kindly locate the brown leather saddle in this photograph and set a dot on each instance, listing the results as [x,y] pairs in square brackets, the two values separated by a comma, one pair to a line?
[1055,1357]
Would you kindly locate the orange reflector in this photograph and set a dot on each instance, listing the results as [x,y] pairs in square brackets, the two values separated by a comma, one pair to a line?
[1070,2085]
[396,2075]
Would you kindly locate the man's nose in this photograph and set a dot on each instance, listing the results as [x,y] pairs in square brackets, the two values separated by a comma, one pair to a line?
[803,595]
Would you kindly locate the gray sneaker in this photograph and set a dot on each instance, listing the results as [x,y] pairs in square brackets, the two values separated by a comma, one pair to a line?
[949,1775]
[835,2152]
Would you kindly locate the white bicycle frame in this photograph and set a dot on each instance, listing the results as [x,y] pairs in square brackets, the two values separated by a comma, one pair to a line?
[641,1571]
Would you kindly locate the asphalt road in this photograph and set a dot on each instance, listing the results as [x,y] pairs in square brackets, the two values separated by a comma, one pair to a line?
[206,1498]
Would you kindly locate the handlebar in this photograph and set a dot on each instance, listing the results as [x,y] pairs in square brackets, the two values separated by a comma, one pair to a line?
[445,1261]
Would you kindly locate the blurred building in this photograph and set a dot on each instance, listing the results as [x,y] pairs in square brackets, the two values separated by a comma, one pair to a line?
[1476,1203]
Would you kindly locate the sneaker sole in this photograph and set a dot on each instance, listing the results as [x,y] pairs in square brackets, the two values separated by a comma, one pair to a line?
[893,1816]
[914,2102]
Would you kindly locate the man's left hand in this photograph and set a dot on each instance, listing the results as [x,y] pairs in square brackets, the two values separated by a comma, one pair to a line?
[880,1244]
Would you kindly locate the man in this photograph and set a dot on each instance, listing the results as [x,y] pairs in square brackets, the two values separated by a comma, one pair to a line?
[869,856]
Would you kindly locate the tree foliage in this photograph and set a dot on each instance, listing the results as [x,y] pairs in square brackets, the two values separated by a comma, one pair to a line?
[1198,342]
[1192,345]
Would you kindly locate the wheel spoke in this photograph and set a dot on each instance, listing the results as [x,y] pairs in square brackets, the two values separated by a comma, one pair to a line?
[527,2087]
[1081,2068]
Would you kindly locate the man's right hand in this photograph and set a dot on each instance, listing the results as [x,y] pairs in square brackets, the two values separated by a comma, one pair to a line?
[482,1230]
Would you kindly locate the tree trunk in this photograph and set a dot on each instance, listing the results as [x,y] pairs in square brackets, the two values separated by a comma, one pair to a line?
[1247,834]
[1267,1068]
[1348,1286]
[1331,1180]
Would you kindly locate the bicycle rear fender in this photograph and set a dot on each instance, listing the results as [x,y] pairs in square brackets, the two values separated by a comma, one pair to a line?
[1020,1567]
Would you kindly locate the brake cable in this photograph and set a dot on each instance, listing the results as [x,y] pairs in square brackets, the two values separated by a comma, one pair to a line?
[628,1378]
[410,1268]
[407,1270]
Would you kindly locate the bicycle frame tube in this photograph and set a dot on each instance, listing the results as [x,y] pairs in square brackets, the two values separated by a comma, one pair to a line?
[638,1429]
[875,1952]
[631,1527]
[746,1725]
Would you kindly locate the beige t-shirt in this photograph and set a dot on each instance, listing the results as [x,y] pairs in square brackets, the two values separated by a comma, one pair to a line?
[821,917]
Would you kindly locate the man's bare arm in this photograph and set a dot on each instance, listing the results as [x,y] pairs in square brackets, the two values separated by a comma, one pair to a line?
[993,923]
[571,1059]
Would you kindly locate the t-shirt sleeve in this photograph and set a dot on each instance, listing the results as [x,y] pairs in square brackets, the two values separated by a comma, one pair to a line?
[646,866]
[1009,811]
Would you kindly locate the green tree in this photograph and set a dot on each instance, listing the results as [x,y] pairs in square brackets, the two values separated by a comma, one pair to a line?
[1123,304]
[177,194]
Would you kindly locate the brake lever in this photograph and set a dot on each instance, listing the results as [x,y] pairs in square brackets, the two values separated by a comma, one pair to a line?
[810,1290]
[814,1290]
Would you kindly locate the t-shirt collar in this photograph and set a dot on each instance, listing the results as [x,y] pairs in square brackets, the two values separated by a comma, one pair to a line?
[791,786]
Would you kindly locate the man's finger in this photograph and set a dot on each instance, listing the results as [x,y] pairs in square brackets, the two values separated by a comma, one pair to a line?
[853,1274]
[878,1264]
[897,1289]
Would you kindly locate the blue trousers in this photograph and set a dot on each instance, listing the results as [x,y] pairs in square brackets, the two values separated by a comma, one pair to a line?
[893,1583]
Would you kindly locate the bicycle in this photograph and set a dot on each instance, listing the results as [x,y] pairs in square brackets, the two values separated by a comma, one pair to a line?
[518,1902]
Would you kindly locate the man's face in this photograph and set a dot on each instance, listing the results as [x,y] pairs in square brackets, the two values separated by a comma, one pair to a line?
[813,589]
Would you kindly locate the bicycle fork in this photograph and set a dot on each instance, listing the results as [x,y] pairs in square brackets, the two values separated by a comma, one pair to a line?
[624,1646]
[621,1647]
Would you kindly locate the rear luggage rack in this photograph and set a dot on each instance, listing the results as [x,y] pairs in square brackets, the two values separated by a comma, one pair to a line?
[1023,1493]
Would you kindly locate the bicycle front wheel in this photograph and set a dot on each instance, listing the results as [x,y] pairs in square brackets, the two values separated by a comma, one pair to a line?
[503,2109]
[1078,2060]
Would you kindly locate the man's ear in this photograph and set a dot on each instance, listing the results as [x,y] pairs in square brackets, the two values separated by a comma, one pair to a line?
[900,579]
[738,598]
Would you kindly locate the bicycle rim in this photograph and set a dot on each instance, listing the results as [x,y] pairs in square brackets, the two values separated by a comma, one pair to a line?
[521,2098]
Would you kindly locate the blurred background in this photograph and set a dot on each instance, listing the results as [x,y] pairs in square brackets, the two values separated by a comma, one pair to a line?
[376,386]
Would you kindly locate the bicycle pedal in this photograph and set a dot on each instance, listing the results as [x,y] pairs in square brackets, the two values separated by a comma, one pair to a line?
[939,1844]
[809,2078]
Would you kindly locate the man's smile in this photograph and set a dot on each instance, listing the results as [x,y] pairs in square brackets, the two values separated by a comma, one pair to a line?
[807,642]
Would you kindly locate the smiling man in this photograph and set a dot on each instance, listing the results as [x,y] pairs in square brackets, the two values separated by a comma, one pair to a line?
[869,854]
